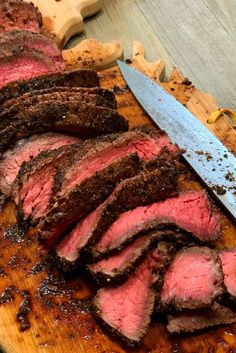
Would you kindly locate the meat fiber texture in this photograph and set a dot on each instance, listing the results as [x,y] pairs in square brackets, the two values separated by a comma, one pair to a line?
[126,310]
[18,14]
[23,63]
[189,211]
[138,190]
[118,267]
[193,280]
[146,146]
[24,151]
[228,259]
[193,320]
[86,120]
[73,78]
[37,41]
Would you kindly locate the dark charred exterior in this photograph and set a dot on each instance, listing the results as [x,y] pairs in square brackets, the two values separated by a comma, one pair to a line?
[73,78]
[87,196]
[86,120]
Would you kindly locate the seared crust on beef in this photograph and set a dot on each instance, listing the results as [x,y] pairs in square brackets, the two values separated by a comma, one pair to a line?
[194,320]
[168,297]
[84,198]
[74,117]
[22,57]
[74,78]
[17,14]
[24,99]
[111,314]
[43,161]
[138,191]
[44,44]
[107,276]
[18,109]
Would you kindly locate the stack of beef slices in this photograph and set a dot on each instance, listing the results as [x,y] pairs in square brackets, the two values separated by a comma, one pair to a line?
[105,198]
[26,49]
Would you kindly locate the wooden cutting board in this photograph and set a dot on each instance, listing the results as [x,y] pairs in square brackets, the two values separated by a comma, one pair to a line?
[59,320]
[64,18]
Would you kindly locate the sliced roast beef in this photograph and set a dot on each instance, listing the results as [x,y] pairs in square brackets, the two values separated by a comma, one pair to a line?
[45,164]
[189,211]
[56,92]
[193,280]
[37,41]
[66,205]
[138,190]
[193,320]
[126,310]
[23,63]
[228,259]
[74,117]
[24,151]
[18,14]
[118,267]
[15,112]
[74,78]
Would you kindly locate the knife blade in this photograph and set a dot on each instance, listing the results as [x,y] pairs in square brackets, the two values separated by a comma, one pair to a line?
[210,159]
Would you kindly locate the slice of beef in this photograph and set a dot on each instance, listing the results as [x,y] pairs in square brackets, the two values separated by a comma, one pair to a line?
[37,41]
[24,151]
[66,202]
[14,113]
[74,78]
[48,163]
[108,96]
[189,211]
[126,310]
[86,120]
[23,63]
[194,320]
[117,268]
[193,280]
[35,194]
[33,186]
[138,190]
[17,14]
[228,259]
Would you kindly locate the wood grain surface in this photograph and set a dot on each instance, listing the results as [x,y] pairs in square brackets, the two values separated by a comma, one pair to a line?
[199,36]
[59,320]
[64,18]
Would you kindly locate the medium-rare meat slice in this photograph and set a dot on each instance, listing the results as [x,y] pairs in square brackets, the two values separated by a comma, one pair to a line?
[24,151]
[228,260]
[73,78]
[118,267]
[24,99]
[193,280]
[37,41]
[138,190]
[86,120]
[15,112]
[23,63]
[67,208]
[18,14]
[189,211]
[126,310]
[194,320]
[36,191]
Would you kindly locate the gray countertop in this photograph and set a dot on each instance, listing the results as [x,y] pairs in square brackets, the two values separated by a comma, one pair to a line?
[198,36]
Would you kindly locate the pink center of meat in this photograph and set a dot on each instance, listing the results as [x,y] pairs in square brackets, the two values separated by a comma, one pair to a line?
[190,277]
[229,269]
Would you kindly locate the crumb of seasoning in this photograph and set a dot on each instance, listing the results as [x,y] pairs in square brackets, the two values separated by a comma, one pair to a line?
[128,61]
[219,189]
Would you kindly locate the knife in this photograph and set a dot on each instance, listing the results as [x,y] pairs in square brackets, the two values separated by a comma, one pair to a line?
[210,159]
